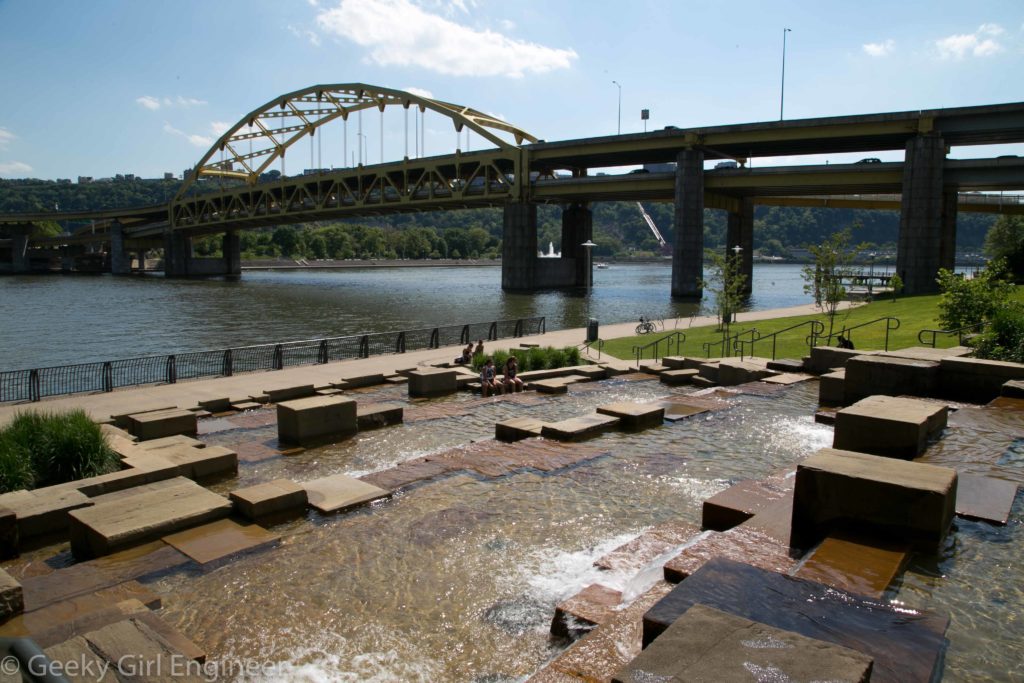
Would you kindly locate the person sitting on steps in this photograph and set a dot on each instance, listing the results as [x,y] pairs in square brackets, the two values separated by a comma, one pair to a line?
[511,382]
[488,381]
[467,355]
[479,350]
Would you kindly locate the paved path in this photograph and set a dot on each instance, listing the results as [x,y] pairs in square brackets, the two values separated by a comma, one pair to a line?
[187,394]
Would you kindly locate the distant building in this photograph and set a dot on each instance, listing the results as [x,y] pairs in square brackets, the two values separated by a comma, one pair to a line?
[84,179]
[63,181]
[168,176]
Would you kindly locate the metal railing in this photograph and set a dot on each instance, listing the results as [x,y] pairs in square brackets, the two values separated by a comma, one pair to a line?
[673,343]
[586,346]
[38,383]
[726,344]
[890,325]
[817,327]
[960,333]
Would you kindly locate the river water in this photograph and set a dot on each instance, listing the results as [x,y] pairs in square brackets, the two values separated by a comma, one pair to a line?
[63,319]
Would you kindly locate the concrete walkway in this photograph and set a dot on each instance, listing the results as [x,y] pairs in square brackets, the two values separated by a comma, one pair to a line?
[187,394]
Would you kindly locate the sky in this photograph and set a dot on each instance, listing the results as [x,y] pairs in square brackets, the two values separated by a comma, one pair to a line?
[103,87]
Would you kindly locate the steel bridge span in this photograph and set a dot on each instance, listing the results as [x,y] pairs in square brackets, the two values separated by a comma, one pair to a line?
[227,190]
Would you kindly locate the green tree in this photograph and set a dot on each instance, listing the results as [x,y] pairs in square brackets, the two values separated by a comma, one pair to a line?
[1005,240]
[832,265]
[286,238]
[728,284]
[971,302]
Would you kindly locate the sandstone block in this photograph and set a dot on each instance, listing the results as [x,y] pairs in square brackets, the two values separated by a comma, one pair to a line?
[341,492]
[200,463]
[579,428]
[706,644]
[12,600]
[358,381]
[123,420]
[274,497]
[43,511]
[371,416]
[635,415]
[518,428]
[8,534]
[871,375]
[653,367]
[825,358]
[549,386]
[216,405]
[836,490]
[126,518]
[786,365]
[592,606]
[889,426]
[674,362]
[243,405]
[308,421]
[432,382]
[861,566]
[676,377]
[832,388]
[732,371]
[219,540]
[974,379]
[708,371]
[281,394]
[160,423]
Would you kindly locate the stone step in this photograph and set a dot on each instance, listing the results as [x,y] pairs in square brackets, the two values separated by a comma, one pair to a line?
[217,541]
[316,420]
[243,405]
[858,565]
[635,416]
[591,607]
[637,554]
[579,428]
[907,645]
[340,492]
[359,381]
[743,544]
[160,423]
[984,498]
[738,503]
[891,426]
[135,645]
[677,377]
[786,365]
[788,378]
[549,386]
[831,388]
[135,516]
[706,644]
[678,410]
[123,421]
[276,497]
[702,381]
[518,428]
[43,512]
[431,382]
[653,367]
[374,415]
[12,597]
[289,393]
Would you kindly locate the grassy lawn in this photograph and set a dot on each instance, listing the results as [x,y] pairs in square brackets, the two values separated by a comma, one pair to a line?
[914,314]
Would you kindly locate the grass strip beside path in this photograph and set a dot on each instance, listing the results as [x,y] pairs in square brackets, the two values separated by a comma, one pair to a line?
[915,313]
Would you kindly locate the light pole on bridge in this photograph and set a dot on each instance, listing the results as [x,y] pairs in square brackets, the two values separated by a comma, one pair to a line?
[617,84]
[782,94]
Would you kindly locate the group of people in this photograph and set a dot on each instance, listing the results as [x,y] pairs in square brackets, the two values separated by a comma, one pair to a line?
[509,382]
[467,353]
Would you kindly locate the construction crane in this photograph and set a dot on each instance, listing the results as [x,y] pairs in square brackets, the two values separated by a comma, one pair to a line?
[654,228]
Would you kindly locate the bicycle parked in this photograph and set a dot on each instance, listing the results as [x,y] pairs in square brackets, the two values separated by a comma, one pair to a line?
[646,326]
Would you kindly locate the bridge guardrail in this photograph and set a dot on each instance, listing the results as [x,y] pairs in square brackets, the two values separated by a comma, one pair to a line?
[37,383]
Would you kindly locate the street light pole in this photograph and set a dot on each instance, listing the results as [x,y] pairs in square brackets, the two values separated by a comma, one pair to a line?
[782,94]
[589,245]
[620,105]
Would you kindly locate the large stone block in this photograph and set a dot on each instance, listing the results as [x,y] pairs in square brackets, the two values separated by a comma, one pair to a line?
[895,427]
[432,382]
[676,377]
[518,428]
[290,393]
[579,428]
[635,415]
[832,388]
[160,423]
[318,419]
[826,358]
[358,381]
[732,371]
[127,518]
[8,534]
[706,644]
[373,415]
[974,379]
[272,498]
[855,565]
[910,502]
[12,600]
[43,511]
[870,375]
[340,492]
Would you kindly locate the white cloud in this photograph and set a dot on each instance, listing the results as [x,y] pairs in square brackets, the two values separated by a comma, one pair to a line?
[5,137]
[400,33]
[882,49]
[981,43]
[219,127]
[312,36]
[153,103]
[419,92]
[14,168]
[197,140]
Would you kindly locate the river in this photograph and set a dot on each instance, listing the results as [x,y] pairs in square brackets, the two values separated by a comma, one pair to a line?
[63,319]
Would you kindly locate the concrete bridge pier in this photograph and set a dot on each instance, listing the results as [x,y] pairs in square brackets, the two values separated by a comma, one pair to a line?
[179,260]
[577,228]
[519,247]
[120,258]
[927,238]
[740,233]
[688,250]
[19,247]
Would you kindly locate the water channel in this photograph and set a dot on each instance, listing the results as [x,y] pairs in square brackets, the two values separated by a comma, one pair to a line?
[63,319]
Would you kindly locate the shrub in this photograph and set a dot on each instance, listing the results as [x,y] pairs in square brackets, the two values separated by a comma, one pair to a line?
[966,302]
[58,447]
[15,466]
[536,359]
[1005,338]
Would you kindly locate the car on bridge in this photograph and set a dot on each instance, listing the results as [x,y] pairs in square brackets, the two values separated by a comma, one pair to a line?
[870,160]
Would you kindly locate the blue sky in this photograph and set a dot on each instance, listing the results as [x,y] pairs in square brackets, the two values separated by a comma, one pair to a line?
[106,86]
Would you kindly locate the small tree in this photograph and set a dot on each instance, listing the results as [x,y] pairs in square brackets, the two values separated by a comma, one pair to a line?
[969,302]
[1005,240]
[895,285]
[832,265]
[728,284]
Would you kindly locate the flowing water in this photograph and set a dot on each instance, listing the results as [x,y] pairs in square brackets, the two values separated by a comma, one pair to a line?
[64,319]
[456,579]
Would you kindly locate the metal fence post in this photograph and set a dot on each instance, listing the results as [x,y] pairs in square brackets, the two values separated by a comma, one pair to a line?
[435,339]
[400,343]
[543,325]
[108,377]
[321,356]
[229,363]
[519,328]
[492,333]
[364,346]
[278,357]
[171,372]
[33,385]
[464,337]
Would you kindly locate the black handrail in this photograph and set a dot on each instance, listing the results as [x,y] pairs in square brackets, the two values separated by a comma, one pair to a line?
[959,332]
[587,345]
[817,327]
[38,383]
[727,342]
[889,327]
[675,339]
